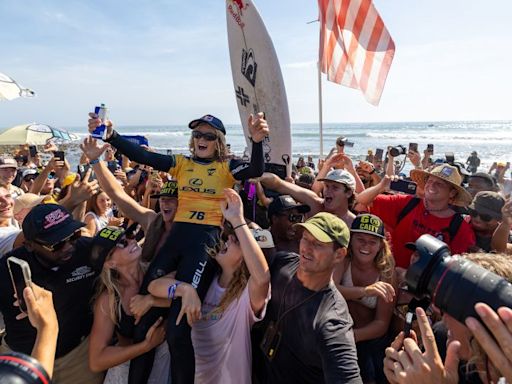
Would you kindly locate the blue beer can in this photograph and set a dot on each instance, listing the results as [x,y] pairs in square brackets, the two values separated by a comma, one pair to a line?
[99,132]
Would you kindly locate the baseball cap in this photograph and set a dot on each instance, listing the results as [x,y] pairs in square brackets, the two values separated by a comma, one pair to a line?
[341,140]
[28,172]
[169,189]
[488,203]
[284,203]
[28,200]
[68,180]
[49,224]
[485,176]
[341,176]
[326,227]
[212,121]
[106,239]
[8,162]
[370,224]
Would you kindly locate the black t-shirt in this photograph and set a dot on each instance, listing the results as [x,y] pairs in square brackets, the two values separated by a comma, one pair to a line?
[317,342]
[72,286]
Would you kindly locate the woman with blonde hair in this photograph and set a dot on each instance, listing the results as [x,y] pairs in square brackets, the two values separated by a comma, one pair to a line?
[235,300]
[366,279]
[118,256]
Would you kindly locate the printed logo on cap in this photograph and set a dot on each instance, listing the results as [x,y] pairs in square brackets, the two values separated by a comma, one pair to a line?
[447,171]
[208,118]
[289,200]
[54,218]
[111,234]
[370,224]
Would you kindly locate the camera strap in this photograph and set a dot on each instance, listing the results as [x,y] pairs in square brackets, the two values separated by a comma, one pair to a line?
[280,313]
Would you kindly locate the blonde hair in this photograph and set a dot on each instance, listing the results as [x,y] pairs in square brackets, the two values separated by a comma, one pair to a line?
[237,283]
[221,149]
[384,261]
[109,282]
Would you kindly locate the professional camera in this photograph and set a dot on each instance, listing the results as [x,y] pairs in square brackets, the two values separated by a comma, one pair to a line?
[453,283]
[397,150]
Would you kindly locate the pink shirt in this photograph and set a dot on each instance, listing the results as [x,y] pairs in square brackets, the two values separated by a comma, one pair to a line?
[222,343]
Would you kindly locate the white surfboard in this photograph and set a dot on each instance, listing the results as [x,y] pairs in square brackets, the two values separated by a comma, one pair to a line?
[258,82]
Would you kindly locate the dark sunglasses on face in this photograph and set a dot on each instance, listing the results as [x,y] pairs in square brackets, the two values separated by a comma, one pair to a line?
[482,216]
[58,246]
[123,243]
[295,218]
[207,136]
[28,179]
[340,143]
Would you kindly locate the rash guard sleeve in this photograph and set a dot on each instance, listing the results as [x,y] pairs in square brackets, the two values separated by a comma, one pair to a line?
[140,155]
[242,170]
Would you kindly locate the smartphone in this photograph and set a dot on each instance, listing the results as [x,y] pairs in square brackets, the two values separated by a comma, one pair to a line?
[82,170]
[113,166]
[404,186]
[430,148]
[349,144]
[378,154]
[413,147]
[450,157]
[21,277]
[32,150]
[59,155]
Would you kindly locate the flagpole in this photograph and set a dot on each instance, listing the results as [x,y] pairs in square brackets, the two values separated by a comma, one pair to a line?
[320,113]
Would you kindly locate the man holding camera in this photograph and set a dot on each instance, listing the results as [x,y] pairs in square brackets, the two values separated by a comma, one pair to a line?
[308,329]
[59,262]
[408,217]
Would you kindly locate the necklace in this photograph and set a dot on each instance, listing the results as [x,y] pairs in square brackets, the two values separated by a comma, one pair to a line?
[427,209]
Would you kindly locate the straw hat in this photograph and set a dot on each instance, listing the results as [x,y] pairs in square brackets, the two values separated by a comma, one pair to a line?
[446,173]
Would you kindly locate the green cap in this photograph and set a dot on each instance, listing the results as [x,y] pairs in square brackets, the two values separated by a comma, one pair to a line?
[326,227]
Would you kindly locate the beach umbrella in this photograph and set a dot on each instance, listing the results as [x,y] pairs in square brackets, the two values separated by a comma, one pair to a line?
[34,134]
[10,89]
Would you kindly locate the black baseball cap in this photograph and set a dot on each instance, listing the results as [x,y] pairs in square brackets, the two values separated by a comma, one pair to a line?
[211,120]
[169,189]
[488,203]
[49,224]
[106,239]
[370,224]
[283,203]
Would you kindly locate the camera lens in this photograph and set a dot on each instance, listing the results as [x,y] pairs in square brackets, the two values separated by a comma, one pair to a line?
[453,283]
[397,151]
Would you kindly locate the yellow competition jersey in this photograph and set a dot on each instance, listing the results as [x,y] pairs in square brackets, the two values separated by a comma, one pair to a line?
[201,189]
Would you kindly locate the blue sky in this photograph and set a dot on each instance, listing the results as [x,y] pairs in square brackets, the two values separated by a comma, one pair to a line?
[166,62]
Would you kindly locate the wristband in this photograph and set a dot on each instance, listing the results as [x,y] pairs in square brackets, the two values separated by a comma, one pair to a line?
[171,291]
[238,226]
[95,161]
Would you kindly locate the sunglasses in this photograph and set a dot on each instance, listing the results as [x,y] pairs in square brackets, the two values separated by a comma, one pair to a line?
[483,216]
[29,178]
[52,175]
[295,218]
[123,243]
[58,246]
[340,143]
[207,136]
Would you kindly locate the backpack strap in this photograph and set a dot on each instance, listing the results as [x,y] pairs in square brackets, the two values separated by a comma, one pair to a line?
[455,224]
[407,209]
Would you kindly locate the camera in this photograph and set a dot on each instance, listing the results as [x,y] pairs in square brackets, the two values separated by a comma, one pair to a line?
[397,150]
[453,283]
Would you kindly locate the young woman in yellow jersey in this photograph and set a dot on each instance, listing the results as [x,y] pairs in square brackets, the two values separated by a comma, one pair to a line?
[201,178]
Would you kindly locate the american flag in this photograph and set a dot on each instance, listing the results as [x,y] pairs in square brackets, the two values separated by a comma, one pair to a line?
[356,49]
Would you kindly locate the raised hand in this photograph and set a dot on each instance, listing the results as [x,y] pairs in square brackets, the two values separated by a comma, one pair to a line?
[232,207]
[94,122]
[258,127]
[91,149]
[190,304]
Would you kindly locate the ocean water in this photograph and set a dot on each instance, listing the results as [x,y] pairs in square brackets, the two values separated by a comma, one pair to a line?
[491,139]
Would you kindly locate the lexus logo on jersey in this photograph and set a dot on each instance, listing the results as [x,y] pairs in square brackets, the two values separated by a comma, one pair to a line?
[249,66]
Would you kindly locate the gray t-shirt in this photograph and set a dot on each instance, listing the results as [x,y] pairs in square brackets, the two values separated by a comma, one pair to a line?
[317,342]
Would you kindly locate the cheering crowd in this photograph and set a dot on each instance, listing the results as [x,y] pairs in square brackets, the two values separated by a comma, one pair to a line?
[205,268]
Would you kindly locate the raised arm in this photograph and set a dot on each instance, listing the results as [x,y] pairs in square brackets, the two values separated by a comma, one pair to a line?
[305,196]
[113,189]
[367,196]
[131,150]
[259,281]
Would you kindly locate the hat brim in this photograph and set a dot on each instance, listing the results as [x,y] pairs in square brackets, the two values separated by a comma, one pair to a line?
[485,211]
[367,232]
[337,181]
[463,198]
[317,232]
[195,123]
[162,195]
[62,233]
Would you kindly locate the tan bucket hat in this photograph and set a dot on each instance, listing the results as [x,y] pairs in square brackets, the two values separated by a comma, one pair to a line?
[447,173]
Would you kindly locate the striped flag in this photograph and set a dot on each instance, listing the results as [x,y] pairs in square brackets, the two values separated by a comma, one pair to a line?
[356,49]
